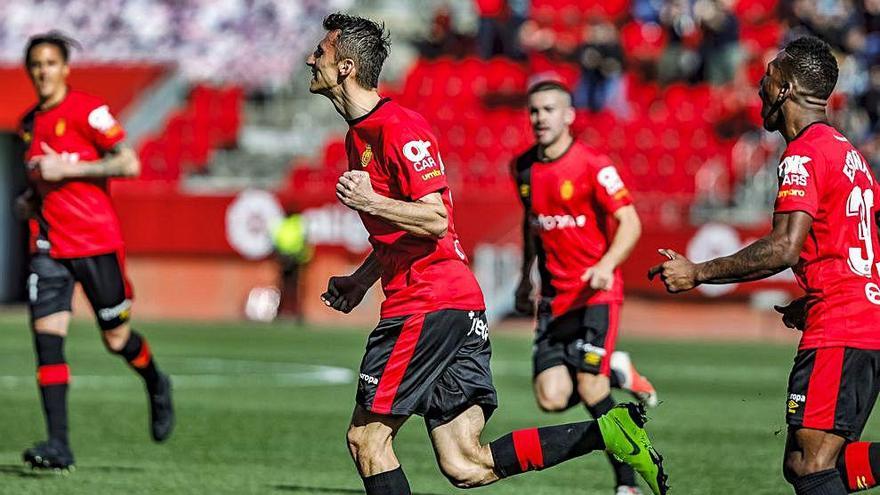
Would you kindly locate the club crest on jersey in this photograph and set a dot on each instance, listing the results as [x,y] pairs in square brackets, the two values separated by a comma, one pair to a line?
[566,191]
[524,190]
[366,156]
[792,170]
[27,137]
[60,127]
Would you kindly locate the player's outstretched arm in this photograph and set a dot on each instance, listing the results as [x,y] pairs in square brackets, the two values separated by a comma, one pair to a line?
[629,229]
[121,161]
[424,217]
[767,256]
[345,293]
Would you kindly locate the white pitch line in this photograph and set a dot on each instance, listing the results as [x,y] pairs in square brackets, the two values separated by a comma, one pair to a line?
[213,373]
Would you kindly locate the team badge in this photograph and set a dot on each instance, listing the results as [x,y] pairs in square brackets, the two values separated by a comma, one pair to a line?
[524,190]
[567,190]
[366,156]
[26,137]
[60,127]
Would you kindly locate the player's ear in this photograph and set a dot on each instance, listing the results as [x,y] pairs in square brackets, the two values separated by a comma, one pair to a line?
[345,67]
[65,70]
[569,115]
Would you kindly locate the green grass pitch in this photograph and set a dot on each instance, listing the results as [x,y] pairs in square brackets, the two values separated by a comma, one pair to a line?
[263,409]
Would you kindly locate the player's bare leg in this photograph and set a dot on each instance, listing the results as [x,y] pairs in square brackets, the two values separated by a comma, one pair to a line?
[462,459]
[53,376]
[554,389]
[132,347]
[370,441]
[595,391]
[811,460]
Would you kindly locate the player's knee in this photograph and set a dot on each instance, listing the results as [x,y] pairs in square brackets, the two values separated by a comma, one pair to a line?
[465,471]
[798,465]
[552,402]
[553,397]
[593,388]
[364,447]
[115,339]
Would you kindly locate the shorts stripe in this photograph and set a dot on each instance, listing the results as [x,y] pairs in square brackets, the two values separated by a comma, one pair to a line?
[823,389]
[392,375]
[527,445]
[610,338]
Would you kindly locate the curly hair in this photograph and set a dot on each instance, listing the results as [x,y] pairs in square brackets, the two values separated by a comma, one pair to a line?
[812,63]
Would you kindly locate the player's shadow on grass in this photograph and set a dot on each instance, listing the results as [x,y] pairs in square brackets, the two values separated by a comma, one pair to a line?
[23,471]
[315,489]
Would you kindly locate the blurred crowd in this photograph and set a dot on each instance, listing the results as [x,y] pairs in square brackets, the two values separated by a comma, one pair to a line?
[690,41]
[251,42]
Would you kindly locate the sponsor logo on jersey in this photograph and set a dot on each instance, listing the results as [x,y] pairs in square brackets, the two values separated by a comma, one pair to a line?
[524,190]
[366,156]
[369,379]
[610,180]
[553,222]
[855,163]
[791,192]
[794,401]
[417,152]
[566,191]
[792,406]
[60,127]
[792,170]
[432,174]
[26,137]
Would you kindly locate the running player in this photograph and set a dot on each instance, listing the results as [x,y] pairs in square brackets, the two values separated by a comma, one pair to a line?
[429,354]
[823,228]
[73,146]
[572,195]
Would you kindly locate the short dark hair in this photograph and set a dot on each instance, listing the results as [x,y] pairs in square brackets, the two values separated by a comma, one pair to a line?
[547,86]
[362,40]
[55,38]
[812,63]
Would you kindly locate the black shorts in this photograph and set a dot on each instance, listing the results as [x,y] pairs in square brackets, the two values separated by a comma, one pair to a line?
[582,339]
[51,282]
[434,365]
[833,389]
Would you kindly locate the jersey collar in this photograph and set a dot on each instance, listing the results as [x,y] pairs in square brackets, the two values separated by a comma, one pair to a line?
[354,122]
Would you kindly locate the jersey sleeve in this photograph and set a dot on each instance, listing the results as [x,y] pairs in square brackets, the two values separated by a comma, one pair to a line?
[102,128]
[798,177]
[413,157]
[609,189]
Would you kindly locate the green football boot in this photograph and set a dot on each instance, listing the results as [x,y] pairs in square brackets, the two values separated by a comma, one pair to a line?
[623,429]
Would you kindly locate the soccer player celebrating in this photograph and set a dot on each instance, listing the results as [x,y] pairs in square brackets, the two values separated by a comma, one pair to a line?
[73,146]
[570,193]
[429,354]
[822,228]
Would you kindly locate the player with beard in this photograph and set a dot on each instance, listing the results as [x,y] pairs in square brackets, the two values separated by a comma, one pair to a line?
[823,228]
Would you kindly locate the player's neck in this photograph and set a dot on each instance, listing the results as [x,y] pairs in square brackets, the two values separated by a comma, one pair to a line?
[53,99]
[356,102]
[796,124]
[557,148]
